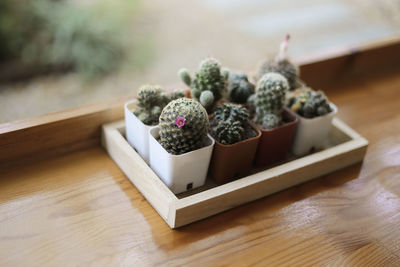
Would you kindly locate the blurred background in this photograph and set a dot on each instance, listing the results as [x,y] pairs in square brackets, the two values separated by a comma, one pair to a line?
[57,54]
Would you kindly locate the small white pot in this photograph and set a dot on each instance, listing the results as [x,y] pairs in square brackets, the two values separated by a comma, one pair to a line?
[137,133]
[180,172]
[312,133]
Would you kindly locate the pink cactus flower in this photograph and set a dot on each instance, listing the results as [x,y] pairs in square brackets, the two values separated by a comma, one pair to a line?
[180,121]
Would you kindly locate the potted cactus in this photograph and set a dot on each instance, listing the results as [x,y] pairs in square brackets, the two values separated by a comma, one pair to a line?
[208,84]
[315,115]
[277,124]
[142,113]
[180,147]
[236,142]
[282,65]
[239,88]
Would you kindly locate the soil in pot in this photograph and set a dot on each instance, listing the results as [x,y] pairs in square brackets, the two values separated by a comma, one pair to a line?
[229,162]
[274,144]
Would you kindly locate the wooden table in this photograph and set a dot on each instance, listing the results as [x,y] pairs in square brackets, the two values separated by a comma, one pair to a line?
[64,202]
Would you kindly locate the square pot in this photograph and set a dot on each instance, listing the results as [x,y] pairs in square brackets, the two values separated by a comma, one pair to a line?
[312,133]
[231,161]
[275,144]
[180,172]
[137,133]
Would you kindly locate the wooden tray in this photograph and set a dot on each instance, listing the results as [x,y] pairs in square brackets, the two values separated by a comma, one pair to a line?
[347,147]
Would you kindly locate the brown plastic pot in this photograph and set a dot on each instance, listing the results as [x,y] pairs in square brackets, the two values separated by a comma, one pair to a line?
[274,144]
[232,161]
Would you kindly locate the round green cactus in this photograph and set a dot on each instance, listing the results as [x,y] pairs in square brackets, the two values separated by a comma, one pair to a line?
[251,104]
[229,123]
[206,98]
[183,126]
[210,77]
[151,100]
[270,121]
[281,65]
[228,133]
[175,94]
[308,103]
[239,88]
[231,112]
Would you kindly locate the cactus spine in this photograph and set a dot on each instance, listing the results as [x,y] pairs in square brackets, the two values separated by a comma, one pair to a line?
[239,88]
[208,84]
[308,103]
[281,65]
[151,100]
[269,100]
[183,126]
[229,123]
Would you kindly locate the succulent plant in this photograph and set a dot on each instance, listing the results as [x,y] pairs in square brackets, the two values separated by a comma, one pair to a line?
[151,100]
[251,104]
[308,103]
[175,94]
[229,123]
[239,88]
[208,84]
[183,126]
[270,121]
[270,98]
[281,65]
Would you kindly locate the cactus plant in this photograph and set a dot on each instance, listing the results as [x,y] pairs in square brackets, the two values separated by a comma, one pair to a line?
[151,100]
[270,97]
[175,94]
[183,126]
[308,103]
[229,123]
[270,121]
[281,65]
[251,104]
[208,84]
[239,88]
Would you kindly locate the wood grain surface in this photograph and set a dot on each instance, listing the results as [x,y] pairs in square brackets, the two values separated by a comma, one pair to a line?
[79,208]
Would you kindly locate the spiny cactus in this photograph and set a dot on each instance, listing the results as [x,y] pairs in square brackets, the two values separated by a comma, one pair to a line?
[151,100]
[251,104]
[270,97]
[207,99]
[239,88]
[175,94]
[228,133]
[270,121]
[229,123]
[281,65]
[208,84]
[183,126]
[232,112]
[308,103]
